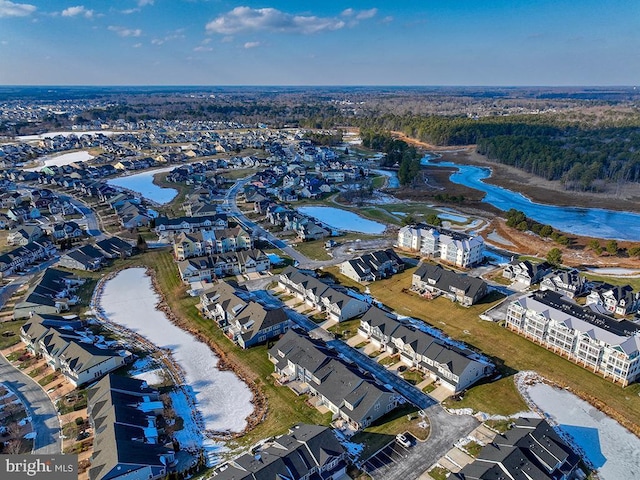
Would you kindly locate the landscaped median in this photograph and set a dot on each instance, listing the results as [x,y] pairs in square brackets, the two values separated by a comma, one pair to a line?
[510,353]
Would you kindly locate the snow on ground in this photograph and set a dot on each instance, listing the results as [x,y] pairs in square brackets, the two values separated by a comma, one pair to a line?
[223,400]
[59,160]
[78,133]
[611,448]
[626,272]
[30,435]
[152,377]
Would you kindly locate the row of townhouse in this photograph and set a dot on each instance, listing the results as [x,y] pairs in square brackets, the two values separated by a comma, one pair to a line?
[93,257]
[306,227]
[452,247]
[598,342]
[67,351]
[349,394]
[242,319]
[614,299]
[172,226]
[208,242]
[207,268]
[455,367]
[317,294]
[52,292]
[24,235]
[19,258]
[126,417]
[433,280]
[372,266]
[531,449]
[306,452]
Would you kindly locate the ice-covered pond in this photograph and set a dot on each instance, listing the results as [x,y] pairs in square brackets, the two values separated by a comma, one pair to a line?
[343,219]
[222,399]
[63,159]
[142,183]
[610,447]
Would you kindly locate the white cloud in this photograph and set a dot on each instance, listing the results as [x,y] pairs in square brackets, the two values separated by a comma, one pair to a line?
[246,19]
[10,9]
[75,11]
[366,14]
[251,44]
[387,19]
[144,3]
[203,48]
[125,32]
[137,45]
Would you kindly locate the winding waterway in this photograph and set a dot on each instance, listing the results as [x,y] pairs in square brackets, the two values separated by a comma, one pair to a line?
[591,222]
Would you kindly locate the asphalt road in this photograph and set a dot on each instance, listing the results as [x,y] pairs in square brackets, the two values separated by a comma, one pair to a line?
[44,417]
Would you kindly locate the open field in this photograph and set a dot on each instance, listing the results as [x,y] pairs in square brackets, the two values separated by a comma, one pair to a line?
[510,352]
[314,250]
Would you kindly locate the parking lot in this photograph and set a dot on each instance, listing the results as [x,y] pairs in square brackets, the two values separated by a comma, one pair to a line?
[380,464]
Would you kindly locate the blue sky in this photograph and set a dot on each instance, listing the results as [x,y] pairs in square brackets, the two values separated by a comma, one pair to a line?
[219,42]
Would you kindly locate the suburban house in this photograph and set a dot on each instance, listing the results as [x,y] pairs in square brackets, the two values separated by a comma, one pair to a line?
[608,346]
[453,247]
[372,266]
[207,242]
[305,452]
[455,367]
[205,269]
[337,304]
[114,247]
[531,449]
[66,351]
[433,280]
[525,272]
[132,215]
[52,293]
[125,416]
[617,299]
[309,367]
[86,258]
[243,320]
[24,235]
[566,282]
[171,226]
[64,230]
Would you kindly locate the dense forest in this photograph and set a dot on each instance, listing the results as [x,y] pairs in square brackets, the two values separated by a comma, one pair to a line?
[398,154]
[580,154]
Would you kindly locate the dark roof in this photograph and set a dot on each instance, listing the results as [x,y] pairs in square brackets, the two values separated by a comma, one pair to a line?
[446,279]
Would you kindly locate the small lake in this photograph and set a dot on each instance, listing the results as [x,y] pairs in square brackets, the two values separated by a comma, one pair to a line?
[221,397]
[591,222]
[610,447]
[343,219]
[392,176]
[142,183]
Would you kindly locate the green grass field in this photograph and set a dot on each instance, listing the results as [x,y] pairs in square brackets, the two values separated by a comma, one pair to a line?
[510,352]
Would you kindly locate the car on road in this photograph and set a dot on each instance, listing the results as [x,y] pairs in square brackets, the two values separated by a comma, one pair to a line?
[403,440]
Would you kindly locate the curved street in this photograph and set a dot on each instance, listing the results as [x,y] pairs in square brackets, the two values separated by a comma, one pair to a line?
[44,417]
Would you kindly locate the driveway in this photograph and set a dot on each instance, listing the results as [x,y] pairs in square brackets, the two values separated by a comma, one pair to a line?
[44,417]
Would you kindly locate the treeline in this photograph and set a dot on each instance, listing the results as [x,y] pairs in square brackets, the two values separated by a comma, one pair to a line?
[517,219]
[397,154]
[328,139]
[579,154]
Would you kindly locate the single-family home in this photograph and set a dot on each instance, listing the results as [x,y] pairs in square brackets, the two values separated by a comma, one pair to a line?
[433,280]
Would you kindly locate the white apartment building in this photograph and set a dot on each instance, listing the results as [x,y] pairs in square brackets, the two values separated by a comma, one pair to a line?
[457,250]
[600,343]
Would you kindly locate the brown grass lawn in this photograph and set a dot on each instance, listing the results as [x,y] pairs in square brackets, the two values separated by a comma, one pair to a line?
[510,352]
[284,407]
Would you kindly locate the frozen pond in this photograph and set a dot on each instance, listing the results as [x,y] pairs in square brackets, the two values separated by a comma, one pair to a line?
[629,272]
[77,133]
[142,183]
[611,448]
[592,222]
[59,160]
[343,219]
[453,218]
[223,400]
